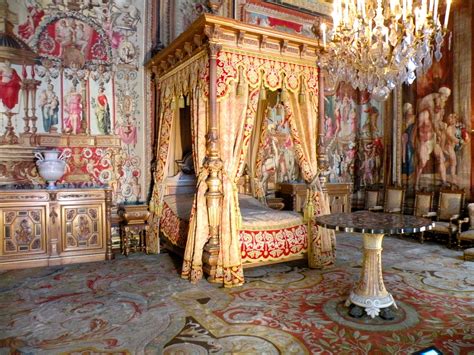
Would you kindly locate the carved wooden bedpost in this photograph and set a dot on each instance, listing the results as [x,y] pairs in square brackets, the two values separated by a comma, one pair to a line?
[214,165]
[323,165]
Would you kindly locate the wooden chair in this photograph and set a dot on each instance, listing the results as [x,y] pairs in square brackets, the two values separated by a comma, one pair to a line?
[423,207]
[372,197]
[394,199]
[448,214]
[467,235]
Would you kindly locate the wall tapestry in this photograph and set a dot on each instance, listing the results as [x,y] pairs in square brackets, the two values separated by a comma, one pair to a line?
[276,151]
[87,97]
[434,138]
[354,137]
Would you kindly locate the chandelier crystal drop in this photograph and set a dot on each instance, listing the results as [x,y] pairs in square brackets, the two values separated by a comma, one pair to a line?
[376,45]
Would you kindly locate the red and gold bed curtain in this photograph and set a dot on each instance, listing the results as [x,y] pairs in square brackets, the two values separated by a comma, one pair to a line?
[302,115]
[198,233]
[156,203]
[237,112]
[189,81]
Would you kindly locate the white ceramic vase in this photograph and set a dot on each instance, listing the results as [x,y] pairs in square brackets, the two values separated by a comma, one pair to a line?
[51,166]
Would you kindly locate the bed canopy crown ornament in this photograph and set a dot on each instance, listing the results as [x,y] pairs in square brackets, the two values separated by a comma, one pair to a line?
[222,70]
[377,45]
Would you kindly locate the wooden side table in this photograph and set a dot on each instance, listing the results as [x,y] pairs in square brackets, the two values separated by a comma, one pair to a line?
[133,228]
[339,197]
[293,194]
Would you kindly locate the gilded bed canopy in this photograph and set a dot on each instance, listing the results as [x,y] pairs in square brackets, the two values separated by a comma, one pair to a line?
[221,69]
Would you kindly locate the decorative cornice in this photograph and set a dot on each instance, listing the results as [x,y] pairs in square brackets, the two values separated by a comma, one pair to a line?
[230,33]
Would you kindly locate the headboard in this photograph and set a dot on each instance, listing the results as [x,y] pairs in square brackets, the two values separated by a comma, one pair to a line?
[185,184]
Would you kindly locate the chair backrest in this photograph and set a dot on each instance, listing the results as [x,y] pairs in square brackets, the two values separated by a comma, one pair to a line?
[371,198]
[450,203]
[394,199]
[423,203]
[470,210]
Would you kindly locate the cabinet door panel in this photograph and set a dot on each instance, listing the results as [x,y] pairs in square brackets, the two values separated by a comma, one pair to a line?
[23,231]
[82,226]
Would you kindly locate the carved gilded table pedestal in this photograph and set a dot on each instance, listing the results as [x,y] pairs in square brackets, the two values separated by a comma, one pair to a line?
[370,292]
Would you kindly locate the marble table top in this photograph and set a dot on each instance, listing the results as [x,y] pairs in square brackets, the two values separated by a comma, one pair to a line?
[374,222]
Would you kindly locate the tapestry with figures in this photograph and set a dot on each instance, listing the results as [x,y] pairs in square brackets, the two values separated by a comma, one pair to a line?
[354,137]
[82,93]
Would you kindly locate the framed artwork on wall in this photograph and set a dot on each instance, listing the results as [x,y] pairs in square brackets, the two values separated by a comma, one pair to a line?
[274,15]
[313,7]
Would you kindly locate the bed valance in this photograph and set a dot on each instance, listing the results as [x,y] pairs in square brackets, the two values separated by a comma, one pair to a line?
[244,68]
[220,69]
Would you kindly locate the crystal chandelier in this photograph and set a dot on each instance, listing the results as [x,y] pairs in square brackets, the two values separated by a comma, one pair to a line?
[377,45]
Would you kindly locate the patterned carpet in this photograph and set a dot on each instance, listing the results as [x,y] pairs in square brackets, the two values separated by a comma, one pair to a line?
[140,305]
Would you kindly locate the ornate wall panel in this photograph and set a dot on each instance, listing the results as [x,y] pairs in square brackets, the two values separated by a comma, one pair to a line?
[88,93]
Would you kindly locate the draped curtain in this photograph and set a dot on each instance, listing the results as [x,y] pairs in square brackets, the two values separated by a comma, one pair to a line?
[190,81]
[301,113]
[198,233]
[167,116]
[236,112]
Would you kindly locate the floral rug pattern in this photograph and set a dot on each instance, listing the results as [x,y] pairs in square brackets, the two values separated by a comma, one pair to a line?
[140,305]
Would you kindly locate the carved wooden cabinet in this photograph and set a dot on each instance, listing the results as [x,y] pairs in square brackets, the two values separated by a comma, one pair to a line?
[51,227]
[294,196]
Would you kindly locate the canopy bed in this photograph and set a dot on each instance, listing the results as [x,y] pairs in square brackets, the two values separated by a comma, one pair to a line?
[211,91]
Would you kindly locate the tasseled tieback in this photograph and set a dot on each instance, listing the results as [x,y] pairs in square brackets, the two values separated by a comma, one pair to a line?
[313,186]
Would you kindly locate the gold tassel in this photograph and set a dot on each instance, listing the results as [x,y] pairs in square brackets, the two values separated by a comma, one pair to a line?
[302,94]
[188,99]
[284,95]
[238,222]
[240,85]
[181,101]
[240,88]
[263,94]
[309,208]
[301,98]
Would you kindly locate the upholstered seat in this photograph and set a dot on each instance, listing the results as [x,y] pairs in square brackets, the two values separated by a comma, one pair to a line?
[445,227]
[449,210]
[423,207]
[394,200]
[469,254]
[372,197]
[469,234]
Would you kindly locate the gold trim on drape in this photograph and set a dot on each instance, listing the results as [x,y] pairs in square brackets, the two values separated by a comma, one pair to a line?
[302,116]
[191,76]
[198,233]
[237,116]
[156,202]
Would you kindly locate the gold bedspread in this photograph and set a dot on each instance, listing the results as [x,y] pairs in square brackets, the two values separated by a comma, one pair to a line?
[255,215]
